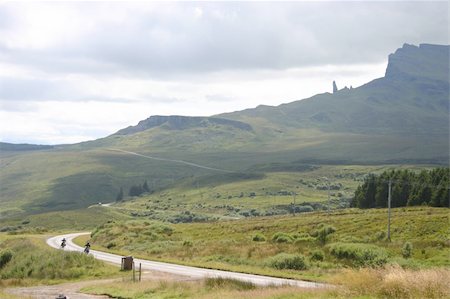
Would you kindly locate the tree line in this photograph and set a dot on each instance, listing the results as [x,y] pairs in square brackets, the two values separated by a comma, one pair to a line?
[408,189]
[135,190]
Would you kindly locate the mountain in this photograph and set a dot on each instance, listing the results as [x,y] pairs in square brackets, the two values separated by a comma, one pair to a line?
[22,147]
[412,98]
[176,122]
[400,118]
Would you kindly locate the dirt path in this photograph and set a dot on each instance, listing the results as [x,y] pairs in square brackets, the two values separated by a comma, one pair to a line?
[71,290]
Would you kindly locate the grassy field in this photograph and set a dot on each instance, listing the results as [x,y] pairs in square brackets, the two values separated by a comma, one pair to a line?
[72,220]
[308,246]
[265,194]
[390,282]
[27,260]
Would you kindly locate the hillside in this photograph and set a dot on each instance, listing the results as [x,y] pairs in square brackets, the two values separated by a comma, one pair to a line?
[393,119]
[412,99]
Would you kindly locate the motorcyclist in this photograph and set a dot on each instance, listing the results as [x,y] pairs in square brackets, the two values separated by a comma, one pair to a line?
[63,243]
[87,247]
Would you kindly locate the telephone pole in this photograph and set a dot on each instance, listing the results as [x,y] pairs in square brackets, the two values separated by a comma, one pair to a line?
[293,210]
[389,211]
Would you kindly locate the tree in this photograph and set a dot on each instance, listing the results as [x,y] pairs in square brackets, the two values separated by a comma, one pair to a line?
[145,187]
[135,190]
[120,195]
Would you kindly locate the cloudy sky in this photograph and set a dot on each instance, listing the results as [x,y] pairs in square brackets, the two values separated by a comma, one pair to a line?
[74,71]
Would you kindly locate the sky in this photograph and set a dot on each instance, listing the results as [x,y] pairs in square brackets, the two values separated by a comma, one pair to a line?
[77,71]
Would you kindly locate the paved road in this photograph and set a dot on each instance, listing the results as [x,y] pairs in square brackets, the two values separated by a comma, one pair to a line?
[192,272]
[171,160]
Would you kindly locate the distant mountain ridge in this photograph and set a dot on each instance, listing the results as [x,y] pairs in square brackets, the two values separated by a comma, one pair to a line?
[176,122]
[412,98]
[4,146]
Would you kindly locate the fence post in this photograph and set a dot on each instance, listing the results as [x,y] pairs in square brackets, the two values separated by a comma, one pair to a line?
[140,271]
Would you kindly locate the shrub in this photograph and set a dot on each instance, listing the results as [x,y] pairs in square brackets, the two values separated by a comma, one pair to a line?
[111,245]
[322,233]
[407,250]
[359,254]
[187,243]
[258,237]
[303,238]
[5,257]
[317,255]
[282,238]
[288,261]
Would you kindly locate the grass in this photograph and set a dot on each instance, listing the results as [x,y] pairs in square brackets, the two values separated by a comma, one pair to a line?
[271,194]
[390,282]
[72,220]
[230,245]
[33,262]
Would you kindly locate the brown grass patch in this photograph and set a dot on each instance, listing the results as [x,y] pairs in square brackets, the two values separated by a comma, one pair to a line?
[394,282]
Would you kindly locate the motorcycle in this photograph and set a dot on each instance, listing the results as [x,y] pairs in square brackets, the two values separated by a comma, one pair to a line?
[63,243]
[87,247]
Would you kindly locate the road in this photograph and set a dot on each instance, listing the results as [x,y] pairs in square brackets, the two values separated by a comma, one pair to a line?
[192,272]
[170,160]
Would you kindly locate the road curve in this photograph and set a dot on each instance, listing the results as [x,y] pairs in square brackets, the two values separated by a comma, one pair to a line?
[193,272]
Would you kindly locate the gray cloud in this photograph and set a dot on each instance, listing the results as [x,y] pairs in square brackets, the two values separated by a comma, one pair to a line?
[198,37]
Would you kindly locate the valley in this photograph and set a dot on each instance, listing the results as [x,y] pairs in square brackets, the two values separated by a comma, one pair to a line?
[270,190]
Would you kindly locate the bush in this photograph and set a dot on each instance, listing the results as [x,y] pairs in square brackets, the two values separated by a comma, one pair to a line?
[317,255]
[282,238]
[359,254]
[322,233]
[303,238]
[5,257]
[288,261]
[187,243]
[258,237]
[407,250]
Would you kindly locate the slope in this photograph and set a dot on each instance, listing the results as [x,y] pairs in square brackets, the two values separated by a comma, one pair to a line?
[400,118]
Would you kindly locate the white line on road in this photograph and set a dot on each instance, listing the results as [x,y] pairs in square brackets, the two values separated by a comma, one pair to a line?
[189,271]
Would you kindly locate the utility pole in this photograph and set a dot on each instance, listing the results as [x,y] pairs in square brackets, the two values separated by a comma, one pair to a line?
[389,211]
[293,210]
[328,187]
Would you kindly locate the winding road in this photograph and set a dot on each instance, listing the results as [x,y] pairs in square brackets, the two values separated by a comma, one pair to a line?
[192,272]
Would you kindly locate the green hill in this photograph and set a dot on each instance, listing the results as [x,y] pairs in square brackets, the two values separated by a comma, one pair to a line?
[401,118]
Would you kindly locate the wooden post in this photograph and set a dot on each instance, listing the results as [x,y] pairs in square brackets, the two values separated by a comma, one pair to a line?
[140,271]
[134,273]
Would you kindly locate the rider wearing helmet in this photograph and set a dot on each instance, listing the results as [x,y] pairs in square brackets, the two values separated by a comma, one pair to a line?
[87,247]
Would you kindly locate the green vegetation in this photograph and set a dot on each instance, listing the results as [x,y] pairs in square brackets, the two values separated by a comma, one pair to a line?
[352,238]
[27,260]
[84,219]
[408,188]
[386,283]
[288,261]
[359,254]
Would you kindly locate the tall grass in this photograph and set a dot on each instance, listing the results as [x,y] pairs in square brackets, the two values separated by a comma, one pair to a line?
[395,282]
[30,261]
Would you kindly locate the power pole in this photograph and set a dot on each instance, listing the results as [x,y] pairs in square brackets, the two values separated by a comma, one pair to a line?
[389,211]
[329,201]
[294,203]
